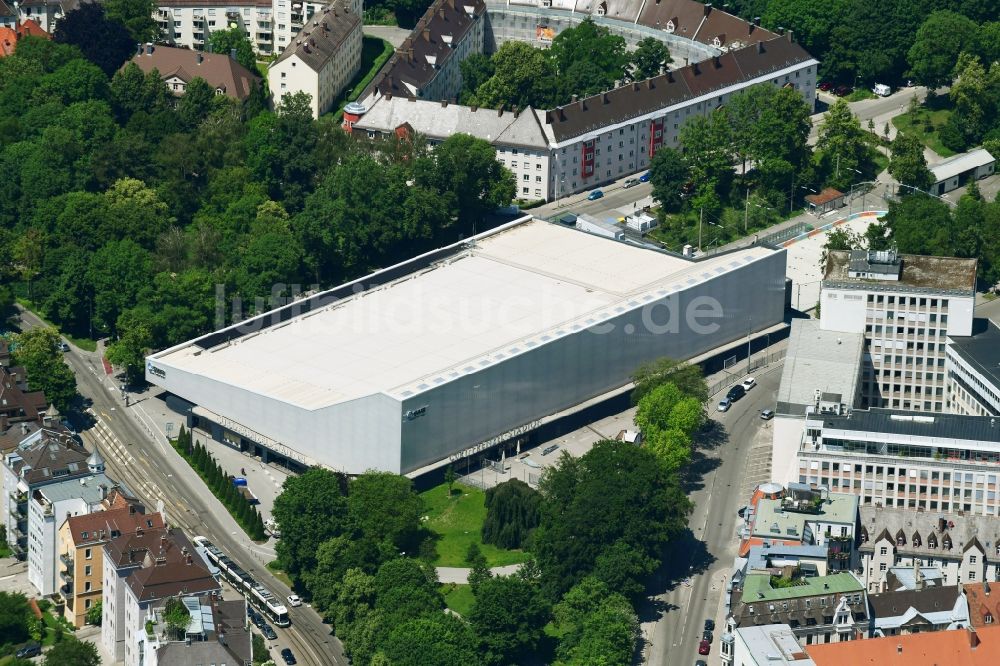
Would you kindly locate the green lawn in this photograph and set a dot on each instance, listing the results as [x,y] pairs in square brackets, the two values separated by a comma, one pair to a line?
[279,573]
[457,521]
[4,549]
[374,53]
[86,344]
[860,94]
[458,597]
[915,124]
[881,162]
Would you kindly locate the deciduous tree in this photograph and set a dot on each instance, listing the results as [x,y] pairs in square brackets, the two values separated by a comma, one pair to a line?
[939,41]
[650,57]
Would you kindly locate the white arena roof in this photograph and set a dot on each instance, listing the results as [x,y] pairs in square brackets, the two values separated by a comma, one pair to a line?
[518,287]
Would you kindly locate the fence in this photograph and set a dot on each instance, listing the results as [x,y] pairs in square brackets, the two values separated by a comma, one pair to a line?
[755,363]
[788,233]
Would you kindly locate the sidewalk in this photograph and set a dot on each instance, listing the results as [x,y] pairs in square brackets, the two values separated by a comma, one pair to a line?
[460,575]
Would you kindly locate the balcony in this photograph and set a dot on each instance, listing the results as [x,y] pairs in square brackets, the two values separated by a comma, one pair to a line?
[66,590]
[67,559]
[20,511]
[66,575]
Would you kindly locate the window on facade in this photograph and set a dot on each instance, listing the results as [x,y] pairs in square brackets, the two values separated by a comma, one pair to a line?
[87,554]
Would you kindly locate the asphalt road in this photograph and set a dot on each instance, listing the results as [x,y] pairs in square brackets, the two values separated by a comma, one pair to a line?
[156,473]
[709,551]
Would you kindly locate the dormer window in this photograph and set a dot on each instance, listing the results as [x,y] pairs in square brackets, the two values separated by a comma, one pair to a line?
[670,27]
[932,541]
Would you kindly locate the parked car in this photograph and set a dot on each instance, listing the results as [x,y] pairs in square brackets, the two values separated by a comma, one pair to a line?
[294,600]
[596,194]
[706,636]
[29,650]
[842,91]
[704,647]
[63,347]
[710,624]
[644,178]
[631,182]
[268,632]
[766,414]
[749,383]
[724,405]
[549,449]
[701,662]
[736,392]
[258,621]
[825,86]
[882,90]
[287,655]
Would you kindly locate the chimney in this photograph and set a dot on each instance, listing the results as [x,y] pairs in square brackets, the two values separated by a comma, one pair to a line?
[635,86]
[441,12]
[199,57]
[517,112]
[789,34]
[760,47]
[583,105]
[426,34]
[548,117]
[574,99]
[232,53]
[138,48]
[708,8]
[444,103]
[604,98]
[670,76]
[500,111]
[717,61]
[756,21]
[149,48]
[899,648]
[695,69]
[973,638]
[649,84]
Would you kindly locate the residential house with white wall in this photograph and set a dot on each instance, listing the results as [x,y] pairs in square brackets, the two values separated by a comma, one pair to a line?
[322,59]
[963,547]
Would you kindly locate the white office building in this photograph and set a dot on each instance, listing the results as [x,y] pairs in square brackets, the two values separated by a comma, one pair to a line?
[906,306]
[974,371]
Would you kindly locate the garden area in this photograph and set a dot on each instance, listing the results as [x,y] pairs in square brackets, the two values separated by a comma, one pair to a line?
[374,53]
[926,122]
[456,522]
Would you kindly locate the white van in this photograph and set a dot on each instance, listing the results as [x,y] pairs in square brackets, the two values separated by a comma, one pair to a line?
[882,90]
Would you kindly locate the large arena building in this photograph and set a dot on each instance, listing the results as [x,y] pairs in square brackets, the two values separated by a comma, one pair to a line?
[463,348]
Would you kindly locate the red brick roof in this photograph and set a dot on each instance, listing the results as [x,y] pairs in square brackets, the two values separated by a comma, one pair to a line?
[959,647]
[984,603]
[101,526]
[10,36]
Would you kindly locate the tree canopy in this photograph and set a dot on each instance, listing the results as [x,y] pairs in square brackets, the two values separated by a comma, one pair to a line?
[615,492]
[512,510]
[37,350]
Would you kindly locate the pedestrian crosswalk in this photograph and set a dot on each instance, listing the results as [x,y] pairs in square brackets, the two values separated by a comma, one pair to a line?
[105,440]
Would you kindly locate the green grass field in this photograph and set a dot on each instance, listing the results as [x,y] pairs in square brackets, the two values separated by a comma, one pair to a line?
[908,124]
[457,522]
[279,573]
[458,597]
[374,53]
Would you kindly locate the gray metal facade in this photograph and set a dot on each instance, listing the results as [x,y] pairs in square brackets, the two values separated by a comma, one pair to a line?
[569,370]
